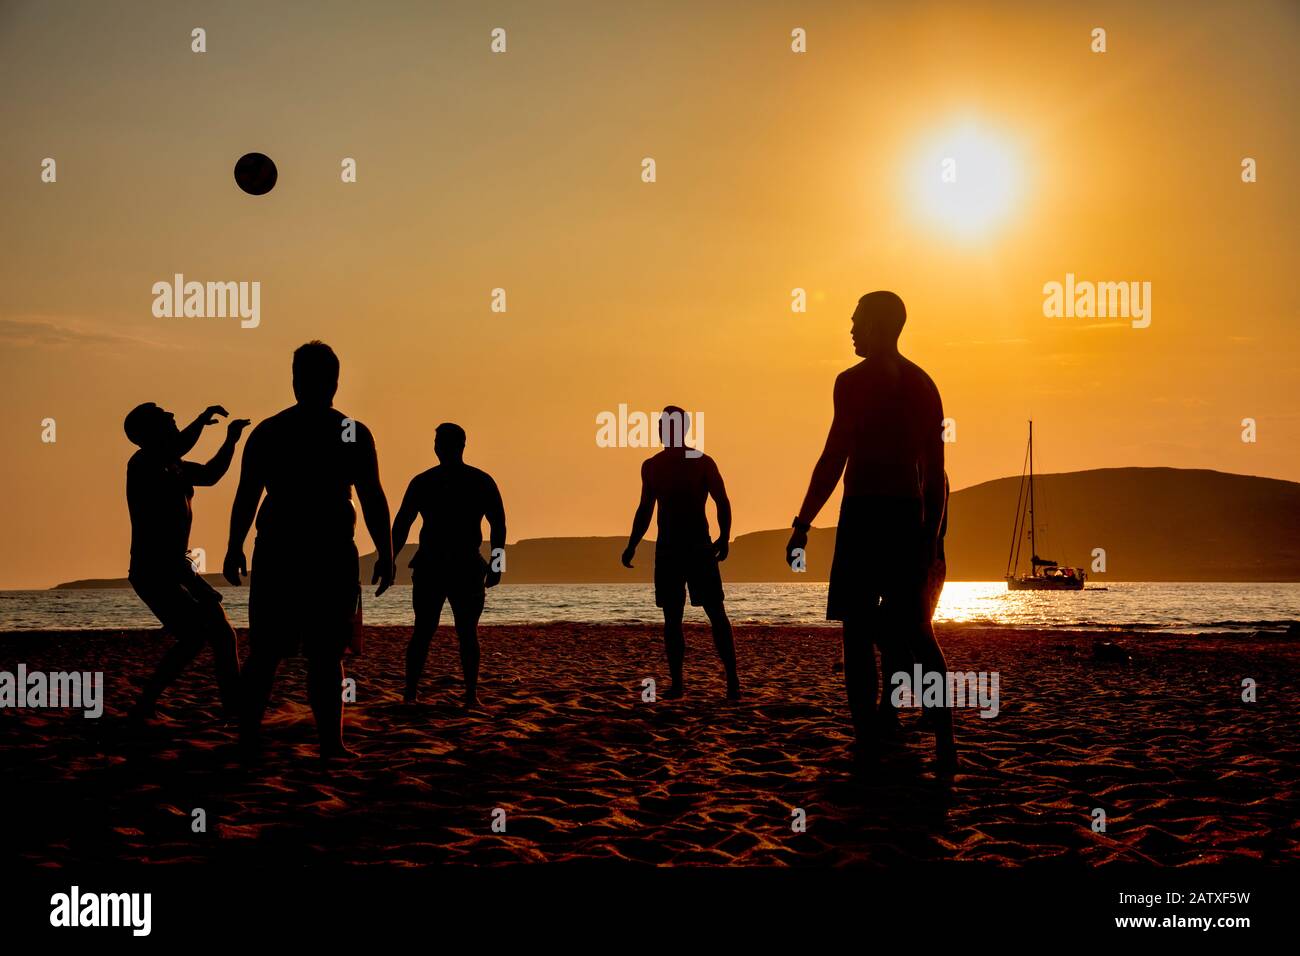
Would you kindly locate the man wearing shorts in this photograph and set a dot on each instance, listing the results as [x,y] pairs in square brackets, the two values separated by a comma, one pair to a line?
[305,584]
[886,439]
[679,480]
[159,491]
[451,499]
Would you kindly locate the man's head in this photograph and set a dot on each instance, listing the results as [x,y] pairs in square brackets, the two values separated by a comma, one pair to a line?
[673,423]
[150,427]
[877,323]
[315,374]
[449,443]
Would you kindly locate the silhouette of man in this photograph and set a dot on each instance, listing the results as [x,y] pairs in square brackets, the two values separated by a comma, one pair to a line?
[886,440]
[678,480]
[451,499]
[159,493]
[304,589]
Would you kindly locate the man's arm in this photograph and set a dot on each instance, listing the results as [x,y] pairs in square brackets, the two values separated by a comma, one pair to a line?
[251,485]
[374,508]
[496,519]
[932,472]
[406,515]
[721,547]
[215,468]
[189,435]
[641,520]
[826,473]
[830,466]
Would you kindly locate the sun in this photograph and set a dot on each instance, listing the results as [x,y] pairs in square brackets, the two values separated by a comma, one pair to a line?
[966,180]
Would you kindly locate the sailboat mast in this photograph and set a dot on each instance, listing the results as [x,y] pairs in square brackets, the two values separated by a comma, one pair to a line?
[1033,548]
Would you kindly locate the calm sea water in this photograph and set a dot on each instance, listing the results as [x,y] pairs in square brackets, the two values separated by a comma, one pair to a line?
[1183,607]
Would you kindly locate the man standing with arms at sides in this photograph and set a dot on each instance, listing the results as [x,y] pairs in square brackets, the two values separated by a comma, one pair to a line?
[678,480]
[452,499]
[305,586]
[886,439]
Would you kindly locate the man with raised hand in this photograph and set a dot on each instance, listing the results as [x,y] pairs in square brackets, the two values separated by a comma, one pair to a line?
[159,493]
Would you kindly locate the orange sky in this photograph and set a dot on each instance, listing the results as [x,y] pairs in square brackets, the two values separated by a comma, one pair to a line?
[522,170]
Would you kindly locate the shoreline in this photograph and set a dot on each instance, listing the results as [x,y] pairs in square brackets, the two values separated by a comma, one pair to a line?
[214,578]
[1140,631]
[1140,608]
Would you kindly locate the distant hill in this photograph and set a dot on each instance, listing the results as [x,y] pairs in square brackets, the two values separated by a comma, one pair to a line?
[1155,524]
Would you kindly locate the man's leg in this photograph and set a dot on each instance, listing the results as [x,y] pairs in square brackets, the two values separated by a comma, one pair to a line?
[466,612]
[417,652]
[176,659]
[176,610]
[860,676]
[930,656]
[428,613]
[225,655]
[725,644]
[674,645]
[893,659]
[325,692]
[909,610]
[670,595]
[255,687]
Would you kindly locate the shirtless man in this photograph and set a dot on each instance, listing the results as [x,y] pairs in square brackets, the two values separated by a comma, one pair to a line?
[678,480]
[305,588]
[159,492]
[451,499]
[886,441]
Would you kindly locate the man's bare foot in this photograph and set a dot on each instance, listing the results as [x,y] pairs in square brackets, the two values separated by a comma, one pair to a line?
[673,693]
[733,690]
[336,752]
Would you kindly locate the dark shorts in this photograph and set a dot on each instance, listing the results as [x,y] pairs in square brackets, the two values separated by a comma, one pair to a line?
[457,582]
[879,558]
[693,568]
[184,603]
[308,597]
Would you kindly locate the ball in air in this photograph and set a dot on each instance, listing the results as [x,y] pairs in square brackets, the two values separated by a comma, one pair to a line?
[255,173]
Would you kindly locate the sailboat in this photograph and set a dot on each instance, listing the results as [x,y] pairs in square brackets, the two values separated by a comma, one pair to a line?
[1044,573]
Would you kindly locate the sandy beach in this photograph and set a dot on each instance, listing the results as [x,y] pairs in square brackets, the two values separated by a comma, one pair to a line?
[585,770]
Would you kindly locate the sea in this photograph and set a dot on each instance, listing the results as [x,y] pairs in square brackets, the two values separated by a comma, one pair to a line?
[1128,606]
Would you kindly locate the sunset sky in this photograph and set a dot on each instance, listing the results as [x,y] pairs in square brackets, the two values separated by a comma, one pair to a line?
[522,170]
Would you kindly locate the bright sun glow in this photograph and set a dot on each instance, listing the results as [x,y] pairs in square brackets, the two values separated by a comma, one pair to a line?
[966,180]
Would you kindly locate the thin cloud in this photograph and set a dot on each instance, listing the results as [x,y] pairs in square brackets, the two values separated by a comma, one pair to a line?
[44,333]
